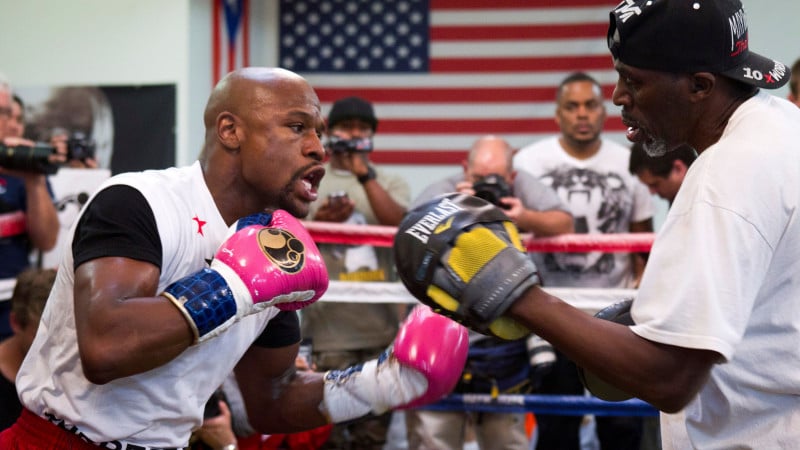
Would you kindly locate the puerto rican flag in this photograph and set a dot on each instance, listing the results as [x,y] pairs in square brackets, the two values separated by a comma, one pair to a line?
[442,73]
[230,34]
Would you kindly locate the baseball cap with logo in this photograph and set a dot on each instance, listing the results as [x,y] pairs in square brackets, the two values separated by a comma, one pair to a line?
[690,36]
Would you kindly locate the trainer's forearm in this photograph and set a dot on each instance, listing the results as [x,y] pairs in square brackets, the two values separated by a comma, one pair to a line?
[665,376]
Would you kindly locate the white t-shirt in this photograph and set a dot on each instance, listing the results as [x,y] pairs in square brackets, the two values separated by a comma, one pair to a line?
[724,275]
[158,408]
[603,197]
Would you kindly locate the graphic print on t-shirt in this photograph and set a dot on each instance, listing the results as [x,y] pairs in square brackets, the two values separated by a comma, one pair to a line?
[598,202]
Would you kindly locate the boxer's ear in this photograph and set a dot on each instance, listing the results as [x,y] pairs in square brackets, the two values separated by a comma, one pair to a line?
[229,130]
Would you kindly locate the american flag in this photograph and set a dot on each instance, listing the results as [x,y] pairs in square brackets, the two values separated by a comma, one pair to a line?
[442,73]
[230,33]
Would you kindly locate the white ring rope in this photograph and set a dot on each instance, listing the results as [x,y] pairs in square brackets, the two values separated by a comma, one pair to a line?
[585,299]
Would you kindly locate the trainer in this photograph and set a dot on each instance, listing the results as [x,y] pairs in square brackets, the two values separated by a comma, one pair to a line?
[715,339]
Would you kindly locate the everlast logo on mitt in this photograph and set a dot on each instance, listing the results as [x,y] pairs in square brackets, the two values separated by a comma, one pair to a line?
[283,249]
[430,222]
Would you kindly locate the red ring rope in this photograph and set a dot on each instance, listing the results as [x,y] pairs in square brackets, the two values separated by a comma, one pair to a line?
[383,236]
[12,224]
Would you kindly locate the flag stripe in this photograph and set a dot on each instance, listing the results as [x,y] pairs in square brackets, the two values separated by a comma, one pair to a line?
[516,4]
[517,32]
[521,16]
[494,65]
[216,56]
[480,126]
[246,33]
[448,95]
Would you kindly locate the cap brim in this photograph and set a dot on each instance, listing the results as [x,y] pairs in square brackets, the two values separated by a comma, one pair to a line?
[760,71]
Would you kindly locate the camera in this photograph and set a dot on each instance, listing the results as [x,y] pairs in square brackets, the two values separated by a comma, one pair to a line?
[80,147]
[36,158]
[492,188]
[211,408]
[337,198]
[339,145]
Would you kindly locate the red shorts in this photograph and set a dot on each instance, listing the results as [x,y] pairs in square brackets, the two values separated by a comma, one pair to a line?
[32,432]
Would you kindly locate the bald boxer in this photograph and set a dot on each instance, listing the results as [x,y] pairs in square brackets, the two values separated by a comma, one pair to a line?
[177,277]
[716,323]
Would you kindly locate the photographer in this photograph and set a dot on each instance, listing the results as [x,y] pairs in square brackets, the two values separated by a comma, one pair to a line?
[27,191]
[488,173]
[354,191]
[493,366]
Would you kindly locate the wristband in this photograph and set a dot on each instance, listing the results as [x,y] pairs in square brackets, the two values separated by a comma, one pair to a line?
[370,175]
[230,447]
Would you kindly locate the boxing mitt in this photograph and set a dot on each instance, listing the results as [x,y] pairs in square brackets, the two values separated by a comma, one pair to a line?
[422,365]
[463,257]
[619,312]
[268,260]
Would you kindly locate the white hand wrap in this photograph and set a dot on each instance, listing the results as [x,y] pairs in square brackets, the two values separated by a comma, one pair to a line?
[374,387]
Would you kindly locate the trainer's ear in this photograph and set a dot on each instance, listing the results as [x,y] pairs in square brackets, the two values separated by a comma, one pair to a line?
[701,84]
[229,130]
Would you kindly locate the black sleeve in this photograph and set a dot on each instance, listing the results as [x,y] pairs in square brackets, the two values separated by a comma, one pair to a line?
[282,330]
[117,222]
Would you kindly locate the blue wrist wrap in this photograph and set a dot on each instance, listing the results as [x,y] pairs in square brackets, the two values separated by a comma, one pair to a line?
[206,298]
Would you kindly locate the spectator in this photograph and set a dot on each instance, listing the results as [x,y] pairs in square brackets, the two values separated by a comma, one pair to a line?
[494,366]
[30,294]
[663,175]
[23,190]
[590,175]
[226,427]
[199,275]
[356,192]
[16,122]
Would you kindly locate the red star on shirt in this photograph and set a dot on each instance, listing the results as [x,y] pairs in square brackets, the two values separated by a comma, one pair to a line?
[200,224]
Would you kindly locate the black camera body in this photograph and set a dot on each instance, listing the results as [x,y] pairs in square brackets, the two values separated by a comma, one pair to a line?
[36,158]
[80,147]
[492,188]
[339,145]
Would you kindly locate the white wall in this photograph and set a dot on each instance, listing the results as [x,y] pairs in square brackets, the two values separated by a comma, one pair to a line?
[113,42]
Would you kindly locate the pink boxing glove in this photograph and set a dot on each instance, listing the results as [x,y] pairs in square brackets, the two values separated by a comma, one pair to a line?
[434,347]
[294,275]
[269,260]
[423,364]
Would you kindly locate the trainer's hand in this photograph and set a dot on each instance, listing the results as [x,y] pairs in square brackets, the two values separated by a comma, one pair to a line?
[463,257]
[619,312]
[269,260]
[423,364]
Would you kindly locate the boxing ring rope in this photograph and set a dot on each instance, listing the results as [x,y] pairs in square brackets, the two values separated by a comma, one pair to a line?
[383,236]
[559,405]
[12,224]
[585,299]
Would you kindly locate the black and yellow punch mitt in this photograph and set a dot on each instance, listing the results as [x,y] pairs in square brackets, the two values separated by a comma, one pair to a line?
[463,257]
